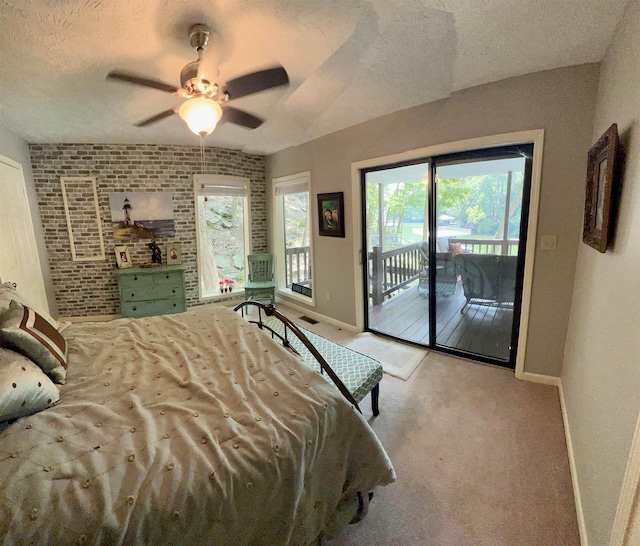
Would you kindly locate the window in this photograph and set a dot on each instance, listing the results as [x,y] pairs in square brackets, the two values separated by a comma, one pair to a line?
[293,234]
[223,234]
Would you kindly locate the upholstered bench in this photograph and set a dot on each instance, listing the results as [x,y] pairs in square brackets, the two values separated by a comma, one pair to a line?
[360,374]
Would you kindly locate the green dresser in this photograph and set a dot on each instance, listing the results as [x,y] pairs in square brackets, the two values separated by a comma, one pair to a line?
[146,291]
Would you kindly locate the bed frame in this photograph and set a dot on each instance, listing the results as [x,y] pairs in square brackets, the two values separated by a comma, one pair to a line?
[288,326]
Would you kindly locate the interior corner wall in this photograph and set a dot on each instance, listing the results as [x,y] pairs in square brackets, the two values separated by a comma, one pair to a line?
[561,102]
[17,149]
[84,289]
[601,372]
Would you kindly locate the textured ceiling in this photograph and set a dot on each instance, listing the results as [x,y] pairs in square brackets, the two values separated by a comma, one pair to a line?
[348,60]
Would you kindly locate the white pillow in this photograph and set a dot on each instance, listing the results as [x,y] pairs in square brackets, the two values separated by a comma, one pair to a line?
[24,388]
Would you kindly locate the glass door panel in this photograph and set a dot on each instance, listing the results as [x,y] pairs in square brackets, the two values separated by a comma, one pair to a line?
[396,239]
[479,210]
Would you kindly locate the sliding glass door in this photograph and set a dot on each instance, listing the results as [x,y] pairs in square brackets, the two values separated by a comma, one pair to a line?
[445,240]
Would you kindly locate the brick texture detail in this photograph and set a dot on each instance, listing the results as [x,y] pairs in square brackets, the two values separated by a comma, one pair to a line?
[90,288]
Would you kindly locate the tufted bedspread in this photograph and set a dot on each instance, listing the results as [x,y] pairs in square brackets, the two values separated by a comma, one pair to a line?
[193,428]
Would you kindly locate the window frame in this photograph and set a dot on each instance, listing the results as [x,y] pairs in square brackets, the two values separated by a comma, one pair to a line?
[292,181]
[237,183]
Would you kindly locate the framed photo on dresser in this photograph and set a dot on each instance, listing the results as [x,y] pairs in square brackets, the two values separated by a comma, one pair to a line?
[123,258]
[173,254]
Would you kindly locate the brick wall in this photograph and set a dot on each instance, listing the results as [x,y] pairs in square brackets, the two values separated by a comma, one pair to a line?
[90,288]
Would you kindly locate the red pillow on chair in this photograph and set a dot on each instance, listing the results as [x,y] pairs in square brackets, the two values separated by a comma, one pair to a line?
[455,249]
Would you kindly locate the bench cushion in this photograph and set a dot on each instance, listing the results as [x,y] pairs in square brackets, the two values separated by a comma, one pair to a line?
[359,373]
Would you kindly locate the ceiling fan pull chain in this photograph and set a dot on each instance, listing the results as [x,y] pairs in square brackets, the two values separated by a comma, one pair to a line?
[202,152]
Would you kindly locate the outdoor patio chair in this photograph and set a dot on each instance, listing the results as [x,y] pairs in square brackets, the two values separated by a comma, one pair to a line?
[446,277]
[487,279]
[260,284]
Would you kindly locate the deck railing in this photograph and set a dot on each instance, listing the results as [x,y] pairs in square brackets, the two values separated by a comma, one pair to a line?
[298,265]
[392,270]
[507,247]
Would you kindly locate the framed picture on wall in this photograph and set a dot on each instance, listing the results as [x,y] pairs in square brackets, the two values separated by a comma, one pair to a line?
[601,193]
[141,215]
[331,214]
[123,258]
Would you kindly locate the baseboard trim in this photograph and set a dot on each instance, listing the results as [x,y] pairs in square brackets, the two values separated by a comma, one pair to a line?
[539,378]
[319,317]
[92,318]
[582,528]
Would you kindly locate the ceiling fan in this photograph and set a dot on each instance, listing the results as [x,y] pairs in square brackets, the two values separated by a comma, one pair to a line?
[207,102]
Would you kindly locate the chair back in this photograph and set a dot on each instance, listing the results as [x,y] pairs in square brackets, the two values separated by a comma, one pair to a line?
[260,267]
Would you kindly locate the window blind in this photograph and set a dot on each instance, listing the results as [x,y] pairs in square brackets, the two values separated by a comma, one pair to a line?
[298,185]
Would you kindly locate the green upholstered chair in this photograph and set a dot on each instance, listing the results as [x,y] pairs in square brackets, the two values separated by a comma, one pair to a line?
[260,284]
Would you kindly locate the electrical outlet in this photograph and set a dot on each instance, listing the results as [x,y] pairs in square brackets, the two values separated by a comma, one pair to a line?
[327,296]
[548,242]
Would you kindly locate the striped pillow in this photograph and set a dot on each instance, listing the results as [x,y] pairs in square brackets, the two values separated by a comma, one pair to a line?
[28,332]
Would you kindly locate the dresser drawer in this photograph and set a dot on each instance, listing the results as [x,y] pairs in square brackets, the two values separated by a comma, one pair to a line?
[147,308]
[169,277]
[133,280]
[140,293]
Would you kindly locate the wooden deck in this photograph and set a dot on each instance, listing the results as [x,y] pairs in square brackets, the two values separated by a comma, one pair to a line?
[482,330]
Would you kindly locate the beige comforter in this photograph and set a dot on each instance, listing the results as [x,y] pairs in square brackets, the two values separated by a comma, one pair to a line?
[193,428]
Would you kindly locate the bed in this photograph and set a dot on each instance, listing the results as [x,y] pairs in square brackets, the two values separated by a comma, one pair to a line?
[193,428]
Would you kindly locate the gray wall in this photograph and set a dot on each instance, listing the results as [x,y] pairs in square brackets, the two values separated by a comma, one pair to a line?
[90,288]
[17,149]
[561,102]
[601,372]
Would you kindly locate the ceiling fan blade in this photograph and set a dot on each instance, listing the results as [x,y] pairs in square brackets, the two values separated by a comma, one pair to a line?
[256,82]
[157,117]
[139,80]
[240,117]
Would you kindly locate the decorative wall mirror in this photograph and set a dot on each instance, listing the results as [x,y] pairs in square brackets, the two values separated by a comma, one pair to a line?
[83,218]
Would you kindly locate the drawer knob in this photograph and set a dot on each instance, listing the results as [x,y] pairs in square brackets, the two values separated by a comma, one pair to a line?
[135,308]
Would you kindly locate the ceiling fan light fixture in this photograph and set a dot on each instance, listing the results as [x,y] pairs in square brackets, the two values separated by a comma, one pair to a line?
[201,115]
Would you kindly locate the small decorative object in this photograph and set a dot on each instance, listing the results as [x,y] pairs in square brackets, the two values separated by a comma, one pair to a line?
[228,285]
[173,256]
[601,194]
[221,285]
[331,214]
[123,259]
[156,253]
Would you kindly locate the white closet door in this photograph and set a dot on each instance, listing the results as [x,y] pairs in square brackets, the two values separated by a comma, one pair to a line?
[19,262]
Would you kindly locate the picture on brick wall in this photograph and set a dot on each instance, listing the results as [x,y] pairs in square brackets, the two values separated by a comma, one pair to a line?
[141,215]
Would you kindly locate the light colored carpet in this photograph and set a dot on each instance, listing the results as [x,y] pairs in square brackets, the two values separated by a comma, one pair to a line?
[397,359]
[481,459]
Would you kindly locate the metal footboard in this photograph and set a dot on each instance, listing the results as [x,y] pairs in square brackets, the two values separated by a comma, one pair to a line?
[270,311]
